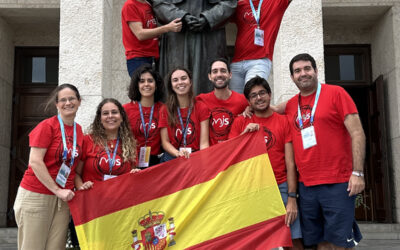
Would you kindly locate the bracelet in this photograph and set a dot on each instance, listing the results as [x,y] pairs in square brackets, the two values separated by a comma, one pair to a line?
[358,173]
[293,194]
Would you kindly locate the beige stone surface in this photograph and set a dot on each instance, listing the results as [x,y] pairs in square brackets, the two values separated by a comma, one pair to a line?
[299,33]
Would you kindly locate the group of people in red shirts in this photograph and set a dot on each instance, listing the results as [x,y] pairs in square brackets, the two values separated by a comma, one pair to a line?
[315,141]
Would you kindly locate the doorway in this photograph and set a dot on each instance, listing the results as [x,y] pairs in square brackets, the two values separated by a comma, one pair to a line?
[349,66]
[35,77]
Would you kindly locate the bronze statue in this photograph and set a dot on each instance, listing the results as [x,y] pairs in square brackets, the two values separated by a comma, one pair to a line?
[201,39]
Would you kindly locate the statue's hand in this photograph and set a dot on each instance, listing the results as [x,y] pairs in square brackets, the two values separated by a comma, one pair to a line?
[189,20]
[200,26]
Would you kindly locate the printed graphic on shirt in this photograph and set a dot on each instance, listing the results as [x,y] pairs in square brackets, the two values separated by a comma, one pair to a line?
[102,167]
[305,115]
[151,21]
[220,122]
[60,150]
[178,136]
[269,138]
[153,128]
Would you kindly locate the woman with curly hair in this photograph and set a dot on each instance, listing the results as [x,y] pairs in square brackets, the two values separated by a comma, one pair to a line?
[184,122]
[146,92]
[108,149]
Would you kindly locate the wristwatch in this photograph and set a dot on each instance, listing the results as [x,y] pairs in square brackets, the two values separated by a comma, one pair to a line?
[358,173]
[292,194]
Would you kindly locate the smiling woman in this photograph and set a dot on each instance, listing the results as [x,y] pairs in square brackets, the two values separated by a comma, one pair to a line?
[108,149]
[184,122]
[56,147]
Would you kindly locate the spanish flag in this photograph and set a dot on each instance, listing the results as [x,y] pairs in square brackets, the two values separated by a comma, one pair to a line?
[222,197]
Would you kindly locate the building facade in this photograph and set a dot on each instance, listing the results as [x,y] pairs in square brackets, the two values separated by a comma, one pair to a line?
[356,44]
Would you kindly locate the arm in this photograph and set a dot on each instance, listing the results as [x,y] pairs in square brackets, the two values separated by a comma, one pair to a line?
[354,127]
[145,34]
[291,206]
[166,11]
[279,108]
[36,162]
[79,185]
[204,131]
[219,13]
[166,143]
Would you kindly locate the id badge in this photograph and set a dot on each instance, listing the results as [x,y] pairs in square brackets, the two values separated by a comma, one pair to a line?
[62,175]
[308,137]
[259,37]
[187,149]
[109,176]
[144,157]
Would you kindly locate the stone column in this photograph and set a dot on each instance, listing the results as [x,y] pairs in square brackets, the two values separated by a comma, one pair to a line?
[86,51]
[6,93]
[301,32]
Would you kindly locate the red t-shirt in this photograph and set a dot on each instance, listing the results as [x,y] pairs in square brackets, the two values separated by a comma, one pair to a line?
[276,134]
[96,160]
[222,113]
[199,113]
[330,161]
[271,16]
[154,140]
[135,11]
[47,134]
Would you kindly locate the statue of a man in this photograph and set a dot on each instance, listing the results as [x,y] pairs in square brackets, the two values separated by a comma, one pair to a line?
[201,39]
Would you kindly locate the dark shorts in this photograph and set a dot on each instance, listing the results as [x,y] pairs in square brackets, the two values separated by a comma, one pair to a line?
[327,214]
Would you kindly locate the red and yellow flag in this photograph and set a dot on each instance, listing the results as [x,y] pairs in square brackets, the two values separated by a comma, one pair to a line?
[222,197]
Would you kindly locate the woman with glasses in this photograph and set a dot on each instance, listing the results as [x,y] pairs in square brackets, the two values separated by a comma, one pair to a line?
[184,122]
[41,209]
[109,150]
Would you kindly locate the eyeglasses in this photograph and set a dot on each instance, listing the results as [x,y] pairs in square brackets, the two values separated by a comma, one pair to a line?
[261,93]
[69,99]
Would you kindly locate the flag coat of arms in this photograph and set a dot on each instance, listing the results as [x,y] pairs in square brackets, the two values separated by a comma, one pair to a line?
[222,197]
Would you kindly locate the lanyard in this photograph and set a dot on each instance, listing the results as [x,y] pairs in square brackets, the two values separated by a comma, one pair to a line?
[146,129]
[184,129]
[111,162]
[313,109]
[256,14]
[65,151]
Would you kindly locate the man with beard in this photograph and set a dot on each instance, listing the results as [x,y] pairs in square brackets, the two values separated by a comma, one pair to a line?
[278,142]
[223,103]
[329,146]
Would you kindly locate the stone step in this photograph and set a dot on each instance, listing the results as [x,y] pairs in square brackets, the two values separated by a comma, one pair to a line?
[8,236]
[380,231]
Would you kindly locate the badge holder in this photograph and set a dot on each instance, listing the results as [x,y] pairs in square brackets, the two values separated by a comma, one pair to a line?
[259,37]
[189,150]
[144,157]
[308,137]
[63,174]
[109,176]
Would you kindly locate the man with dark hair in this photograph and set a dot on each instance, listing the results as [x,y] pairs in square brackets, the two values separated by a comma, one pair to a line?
[223,103]
[329,146]
[278,141]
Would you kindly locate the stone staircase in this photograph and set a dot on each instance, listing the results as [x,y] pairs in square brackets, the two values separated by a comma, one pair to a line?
[380,231]
[8,238]
[376,236]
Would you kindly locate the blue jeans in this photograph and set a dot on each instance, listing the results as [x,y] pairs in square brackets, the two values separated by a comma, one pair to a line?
[136,62]
[243,71]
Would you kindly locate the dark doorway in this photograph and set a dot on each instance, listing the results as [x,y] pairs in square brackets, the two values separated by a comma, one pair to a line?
[35,76]
[350,67]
